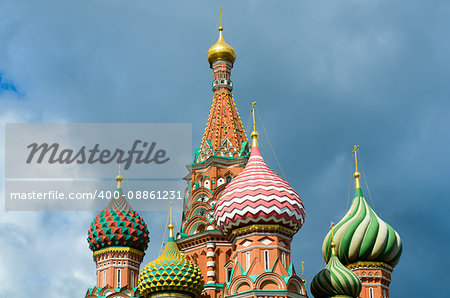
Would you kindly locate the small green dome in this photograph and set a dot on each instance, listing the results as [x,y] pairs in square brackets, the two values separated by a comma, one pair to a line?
[335,280]
[171,272]
[361,236]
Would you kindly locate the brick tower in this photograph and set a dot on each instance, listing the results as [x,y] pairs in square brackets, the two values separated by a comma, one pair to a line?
[118,237]
[365,244]
[223,153]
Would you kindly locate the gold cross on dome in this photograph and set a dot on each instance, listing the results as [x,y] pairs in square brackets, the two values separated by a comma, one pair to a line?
[332,233]
[355,148]
[253,113]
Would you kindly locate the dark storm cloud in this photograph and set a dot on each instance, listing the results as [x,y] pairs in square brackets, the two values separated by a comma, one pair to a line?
[325,74]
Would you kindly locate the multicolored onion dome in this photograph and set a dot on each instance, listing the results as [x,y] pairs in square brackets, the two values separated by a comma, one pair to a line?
[221,51]
[171,272]
[335,280]
[118,225]
[258,196]
[361,236]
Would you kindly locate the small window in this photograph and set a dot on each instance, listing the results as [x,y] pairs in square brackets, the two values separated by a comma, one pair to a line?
[118,263]
[228,179]
[132,279]
[371,292]
[229,274]
[283,259]
[104,278]
[247,260]
[118,278]
[266,260]
[207,184]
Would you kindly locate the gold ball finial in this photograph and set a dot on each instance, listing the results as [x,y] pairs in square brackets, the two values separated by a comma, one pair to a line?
[254,135]
[356,175]
[119,180]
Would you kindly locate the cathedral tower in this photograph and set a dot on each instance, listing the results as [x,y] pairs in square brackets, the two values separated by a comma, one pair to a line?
[118,237]
[260,212]
[223,153]
[365,244]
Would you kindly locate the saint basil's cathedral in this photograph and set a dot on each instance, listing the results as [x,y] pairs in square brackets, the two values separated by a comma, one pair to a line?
[238,221]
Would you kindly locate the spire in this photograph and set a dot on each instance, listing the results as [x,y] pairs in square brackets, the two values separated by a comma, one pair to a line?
[119,177]
[224,134]
[333,245]
[254,134]
[171,226]
[356,175]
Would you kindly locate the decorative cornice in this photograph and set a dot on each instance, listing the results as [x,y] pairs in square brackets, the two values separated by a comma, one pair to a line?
[201,237]
[370,265]
[223,162]
[261,228]
[169,294]
[118,249]
[265,293]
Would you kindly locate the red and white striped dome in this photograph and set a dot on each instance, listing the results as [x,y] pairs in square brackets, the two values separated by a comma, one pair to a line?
[259,196]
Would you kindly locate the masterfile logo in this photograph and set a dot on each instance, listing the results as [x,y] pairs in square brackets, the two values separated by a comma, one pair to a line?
[94,155]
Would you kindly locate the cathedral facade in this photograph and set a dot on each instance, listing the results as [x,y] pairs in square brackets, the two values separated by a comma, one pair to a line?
[238,222]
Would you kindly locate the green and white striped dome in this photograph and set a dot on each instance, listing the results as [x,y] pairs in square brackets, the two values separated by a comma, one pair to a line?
[361,236]
[335,280]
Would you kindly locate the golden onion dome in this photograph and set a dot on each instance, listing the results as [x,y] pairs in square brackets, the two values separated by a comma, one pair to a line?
[221,50]
[171,272]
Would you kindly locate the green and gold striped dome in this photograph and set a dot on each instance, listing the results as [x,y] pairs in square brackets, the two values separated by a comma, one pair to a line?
[361,236]
[335,280]
[171,272]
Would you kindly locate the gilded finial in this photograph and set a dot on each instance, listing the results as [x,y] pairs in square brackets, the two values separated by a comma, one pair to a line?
[119,177]
[356,175]
[254,135]
[170,222]
[333,245]
[303,272]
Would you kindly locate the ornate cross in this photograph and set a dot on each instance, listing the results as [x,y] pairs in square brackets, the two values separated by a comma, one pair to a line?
[355,148]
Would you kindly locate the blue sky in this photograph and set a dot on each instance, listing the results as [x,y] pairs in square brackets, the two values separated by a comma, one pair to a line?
[325,74]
